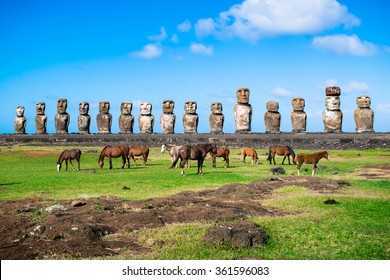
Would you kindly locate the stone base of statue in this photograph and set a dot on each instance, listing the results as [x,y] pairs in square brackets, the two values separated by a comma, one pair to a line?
[364,120]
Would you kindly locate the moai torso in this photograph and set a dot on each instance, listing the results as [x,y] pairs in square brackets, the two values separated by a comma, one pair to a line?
[272,117]
[298,116]
[146,119]
[364,115]
[126,120]
[168,119]
[216,119]
[104,118]
[84,119]
[243,111]
[332,115]
[40,118]
[62,118]
[190,118]
[20,121]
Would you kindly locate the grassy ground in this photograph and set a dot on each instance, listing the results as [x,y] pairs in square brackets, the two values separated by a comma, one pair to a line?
[356,228]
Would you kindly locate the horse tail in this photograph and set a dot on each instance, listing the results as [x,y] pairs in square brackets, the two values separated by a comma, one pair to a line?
[269,155]
[175,161]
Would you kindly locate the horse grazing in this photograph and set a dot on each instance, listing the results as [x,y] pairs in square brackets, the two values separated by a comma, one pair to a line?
[197,152]
[285,151]
[69,154]
[311,159]
[221,152]
[114,152]
[137,151]
[173,151]
[249,152]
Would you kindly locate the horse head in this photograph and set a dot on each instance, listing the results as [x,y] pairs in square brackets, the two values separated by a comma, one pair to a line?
[163,148]
[100,163]
[326,155]
[59,166]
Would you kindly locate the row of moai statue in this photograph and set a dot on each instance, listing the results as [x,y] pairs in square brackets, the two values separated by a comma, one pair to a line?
[332,116]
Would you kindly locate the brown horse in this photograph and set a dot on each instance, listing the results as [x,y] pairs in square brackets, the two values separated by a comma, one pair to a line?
[249,152]
[69,154]
[137,151]
[197,152]
[221,152]
[285,151]
[114,152]
[311,159]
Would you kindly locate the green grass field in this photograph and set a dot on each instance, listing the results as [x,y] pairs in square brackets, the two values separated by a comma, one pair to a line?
[356,228]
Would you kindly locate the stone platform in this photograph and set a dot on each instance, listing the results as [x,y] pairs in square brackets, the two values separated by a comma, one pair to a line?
[332,141]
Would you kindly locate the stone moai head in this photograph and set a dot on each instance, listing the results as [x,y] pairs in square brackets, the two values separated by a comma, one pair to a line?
[272,106]
[298,104]
[62,104]
[126,108]
[216,108]
[243,95]
[83,108]
[20,111]
[40,108]
[190,107]
[332,103]
[363,101]
[145,108]
[104,107]
[168,106]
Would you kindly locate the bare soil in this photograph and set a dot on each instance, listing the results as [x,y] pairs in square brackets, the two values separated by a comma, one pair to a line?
[44,229]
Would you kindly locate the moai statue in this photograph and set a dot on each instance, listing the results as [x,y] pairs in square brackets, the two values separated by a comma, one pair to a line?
[126,119]
[146,119]
[364,115]
[298,115]
[168,118]
[20,121]
[272,117]
[84,120]
[216,119]
[243,111]
[62,118]
[332,115]
[190,118]
[104,118]
[40,118]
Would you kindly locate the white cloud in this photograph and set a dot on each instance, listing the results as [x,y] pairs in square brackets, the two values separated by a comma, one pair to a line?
[160,37]
[148,52]
[253,19]
[201,49]
[355,86]
[184,26]
[175,38]
[281,92]
[344,44]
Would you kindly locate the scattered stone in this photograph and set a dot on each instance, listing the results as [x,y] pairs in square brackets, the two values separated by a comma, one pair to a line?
[125,188]
[78,203]
[50,209]
[331,201]
[277,170]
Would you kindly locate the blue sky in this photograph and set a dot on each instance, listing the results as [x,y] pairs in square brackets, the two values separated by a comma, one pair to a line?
[201,50]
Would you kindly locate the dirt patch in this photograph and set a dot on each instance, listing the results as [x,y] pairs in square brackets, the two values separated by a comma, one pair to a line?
[44,229]
[380,171]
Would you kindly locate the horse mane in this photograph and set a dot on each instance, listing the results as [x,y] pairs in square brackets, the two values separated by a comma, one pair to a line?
[291,151]
[100,156]
[59,158]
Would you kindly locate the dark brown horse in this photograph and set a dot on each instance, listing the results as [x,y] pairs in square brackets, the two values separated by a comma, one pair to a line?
[69,154]
[249,152]
[114,152]
[222,152]
[285,151]
[197,152]
[311,159]
[137,151]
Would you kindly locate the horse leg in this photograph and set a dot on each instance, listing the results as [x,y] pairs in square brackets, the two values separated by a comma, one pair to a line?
[110,161]
[200,164]
[273,159]
[66,164]
[78,164]
[283,159]
[313,172]
[299,167]
[226,162]
[135,161]
[288,157]
[72,165]
[214,158]
[182,164]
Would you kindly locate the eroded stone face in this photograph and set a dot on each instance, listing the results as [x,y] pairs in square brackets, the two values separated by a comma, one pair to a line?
[146,119]
[40,118]
[364,115]
[62,118]
[272,117]
[20,121]
[243,111]
[84,120]
[216,119]
[190,118]
[104,118]
[298,116]
[243,95]
[126,120]
[332,116]
[168,119]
